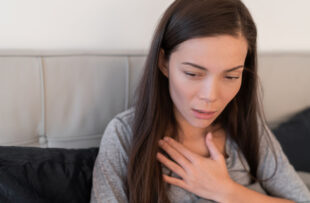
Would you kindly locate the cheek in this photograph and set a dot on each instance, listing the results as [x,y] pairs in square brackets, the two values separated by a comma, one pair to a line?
[179,91]
[231,92]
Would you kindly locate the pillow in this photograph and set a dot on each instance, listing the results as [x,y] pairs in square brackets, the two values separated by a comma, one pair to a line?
[294,137]
[30,174]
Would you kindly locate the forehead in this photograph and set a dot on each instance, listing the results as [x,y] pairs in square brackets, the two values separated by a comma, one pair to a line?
[221,52]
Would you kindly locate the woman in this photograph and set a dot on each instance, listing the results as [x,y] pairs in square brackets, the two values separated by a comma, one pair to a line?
[199,88]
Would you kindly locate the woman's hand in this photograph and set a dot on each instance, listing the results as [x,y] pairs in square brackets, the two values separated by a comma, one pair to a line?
[205,177]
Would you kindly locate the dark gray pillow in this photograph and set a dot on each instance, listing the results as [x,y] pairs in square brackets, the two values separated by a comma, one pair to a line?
[39,175]
[294,137]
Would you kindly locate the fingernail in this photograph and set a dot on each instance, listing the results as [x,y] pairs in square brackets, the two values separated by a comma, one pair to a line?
[166,138]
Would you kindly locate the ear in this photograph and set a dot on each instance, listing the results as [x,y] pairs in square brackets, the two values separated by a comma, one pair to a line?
[163,64]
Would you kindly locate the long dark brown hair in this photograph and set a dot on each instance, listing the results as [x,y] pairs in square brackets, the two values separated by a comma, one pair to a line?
[184,20]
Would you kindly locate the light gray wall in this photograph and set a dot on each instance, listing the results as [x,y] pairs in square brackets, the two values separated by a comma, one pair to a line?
[283,25]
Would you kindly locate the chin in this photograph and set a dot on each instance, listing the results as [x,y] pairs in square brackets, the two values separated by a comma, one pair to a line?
[201,123]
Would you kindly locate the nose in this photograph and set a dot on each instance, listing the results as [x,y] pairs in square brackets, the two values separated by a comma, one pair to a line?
[209,90]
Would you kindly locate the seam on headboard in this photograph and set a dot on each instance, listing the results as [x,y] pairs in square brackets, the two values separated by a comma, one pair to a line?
[42,131]
[127,83]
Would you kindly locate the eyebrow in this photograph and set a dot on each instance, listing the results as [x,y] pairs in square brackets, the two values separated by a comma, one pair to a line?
[205,69]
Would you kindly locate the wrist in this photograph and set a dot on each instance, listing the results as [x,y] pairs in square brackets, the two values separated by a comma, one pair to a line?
[228,191]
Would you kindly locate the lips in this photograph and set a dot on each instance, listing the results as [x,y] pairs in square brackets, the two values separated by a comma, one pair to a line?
[202,114]
[203,111]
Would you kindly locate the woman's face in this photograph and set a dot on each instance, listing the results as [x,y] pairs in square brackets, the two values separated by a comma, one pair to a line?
[204,75]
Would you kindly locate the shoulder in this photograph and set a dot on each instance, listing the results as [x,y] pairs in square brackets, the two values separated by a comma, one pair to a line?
[267,140]
[125,118]
[280,176]
[118,132]
[271,156]
[121,123]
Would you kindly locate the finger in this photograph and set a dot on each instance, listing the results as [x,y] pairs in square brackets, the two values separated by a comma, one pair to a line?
[176,181]
[214,151]
[171,165]
[174,154]
[182,149]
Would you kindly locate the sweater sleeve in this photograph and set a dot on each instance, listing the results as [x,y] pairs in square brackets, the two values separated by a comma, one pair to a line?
[110,169]
[285,183]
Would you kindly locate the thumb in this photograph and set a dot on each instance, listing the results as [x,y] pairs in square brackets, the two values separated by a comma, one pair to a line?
[214,152]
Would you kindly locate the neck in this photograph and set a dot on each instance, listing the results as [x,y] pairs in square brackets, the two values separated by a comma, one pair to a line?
[187,133]
[190,134]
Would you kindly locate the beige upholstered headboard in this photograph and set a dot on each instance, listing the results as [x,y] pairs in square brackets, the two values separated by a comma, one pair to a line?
[65,99]
[285,78]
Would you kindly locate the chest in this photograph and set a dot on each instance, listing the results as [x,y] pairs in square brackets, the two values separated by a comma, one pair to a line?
[200,147]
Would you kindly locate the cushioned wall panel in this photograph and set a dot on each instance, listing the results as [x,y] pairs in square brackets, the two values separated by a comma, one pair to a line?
[20,104]
[83,93]
[286,84]
[136,64]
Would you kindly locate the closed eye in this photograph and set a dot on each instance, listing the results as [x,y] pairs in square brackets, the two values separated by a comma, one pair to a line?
[232,78]
[191,74]
[194,75]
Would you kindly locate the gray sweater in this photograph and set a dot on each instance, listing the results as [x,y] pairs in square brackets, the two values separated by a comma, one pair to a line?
[110,168]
